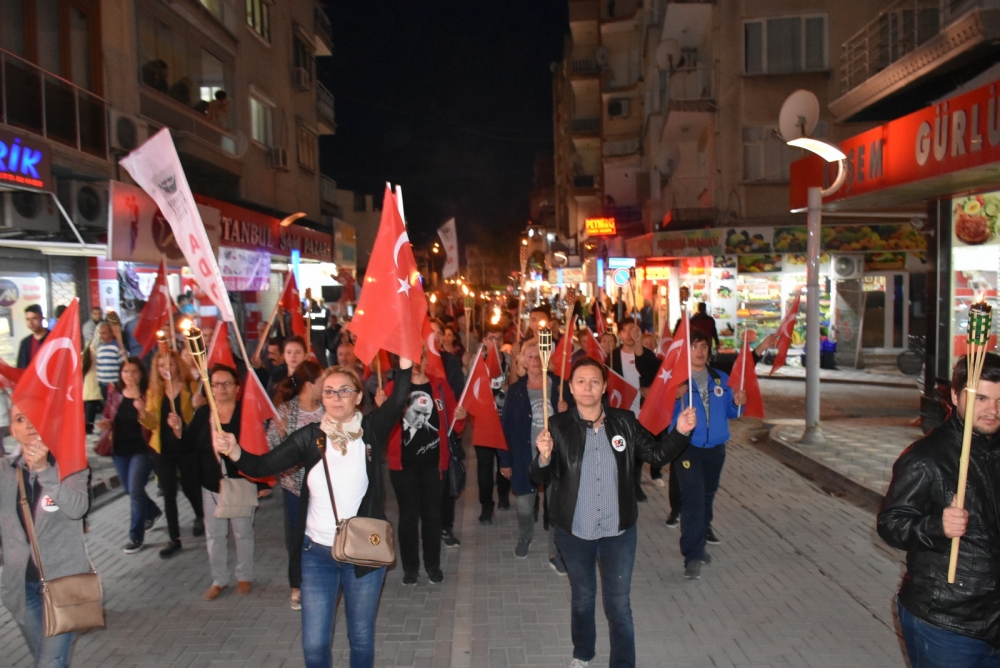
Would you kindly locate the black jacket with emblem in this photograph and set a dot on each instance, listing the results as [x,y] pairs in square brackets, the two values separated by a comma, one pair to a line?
[562,474]
[924,480]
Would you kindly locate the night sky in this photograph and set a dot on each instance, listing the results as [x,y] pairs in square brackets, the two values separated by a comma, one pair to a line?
[451,100]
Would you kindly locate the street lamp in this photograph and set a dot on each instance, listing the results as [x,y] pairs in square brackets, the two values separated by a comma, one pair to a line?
[797,120]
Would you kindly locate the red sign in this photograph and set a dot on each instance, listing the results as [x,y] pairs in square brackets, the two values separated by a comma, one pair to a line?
[956,135]
[244,228]
[601,227]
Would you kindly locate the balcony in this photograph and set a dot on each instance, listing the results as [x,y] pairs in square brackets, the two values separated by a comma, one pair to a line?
[912,52]
[194,135]
[689,89]
[689,200]
[38,101]
[323,31]
[584,65]
[586,184]
[325,112]
[617,147]
[327,190]
[586,126]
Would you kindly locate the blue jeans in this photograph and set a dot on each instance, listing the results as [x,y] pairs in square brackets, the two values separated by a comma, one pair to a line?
[322,580]
[931,647]
[616,557]
[133,472]
[48,652]
[698,473]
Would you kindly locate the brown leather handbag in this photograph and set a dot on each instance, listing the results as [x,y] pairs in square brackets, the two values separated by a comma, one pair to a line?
[70,603]
[362,541]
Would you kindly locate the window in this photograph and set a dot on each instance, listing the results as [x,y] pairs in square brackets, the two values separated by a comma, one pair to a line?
[785,44]
[303,61]
[306,143]
[12,26]
[766,156]
[261,122]
[259,18]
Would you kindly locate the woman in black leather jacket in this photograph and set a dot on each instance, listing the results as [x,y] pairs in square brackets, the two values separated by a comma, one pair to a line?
[917,516]
[586,459]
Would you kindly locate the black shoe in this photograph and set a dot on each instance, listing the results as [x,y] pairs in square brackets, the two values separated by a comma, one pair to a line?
[674,520]
[640,495]
[706,558]
[133,546]
[172,548]
[410,579]
[710,536]
[199,528]
[558,565]
[435,577]
[503,504]
[486,517]
[151,521]
[521,551]
[449,539]
[692,570]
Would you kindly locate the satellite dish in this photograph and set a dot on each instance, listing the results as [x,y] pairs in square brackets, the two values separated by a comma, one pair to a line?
[602,56]
[799,115]
[666,161]
[668,54]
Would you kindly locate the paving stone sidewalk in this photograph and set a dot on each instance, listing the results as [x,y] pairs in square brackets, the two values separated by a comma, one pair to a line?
[800,580]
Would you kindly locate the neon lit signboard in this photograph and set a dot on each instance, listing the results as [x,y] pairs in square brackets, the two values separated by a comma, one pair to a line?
[25,161]
[601,227]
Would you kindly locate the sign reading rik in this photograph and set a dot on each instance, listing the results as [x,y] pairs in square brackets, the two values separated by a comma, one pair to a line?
[25,161]
[601,227]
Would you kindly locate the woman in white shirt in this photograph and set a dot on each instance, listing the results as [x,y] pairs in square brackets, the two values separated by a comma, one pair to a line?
[355,451]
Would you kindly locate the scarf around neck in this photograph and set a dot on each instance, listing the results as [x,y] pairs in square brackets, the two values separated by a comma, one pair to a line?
[342,433]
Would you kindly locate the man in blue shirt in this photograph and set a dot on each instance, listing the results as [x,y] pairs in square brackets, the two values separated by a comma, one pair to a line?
[699,467]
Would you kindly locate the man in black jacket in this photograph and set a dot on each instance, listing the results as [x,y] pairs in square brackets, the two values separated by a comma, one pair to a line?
[31,344]
[944,624]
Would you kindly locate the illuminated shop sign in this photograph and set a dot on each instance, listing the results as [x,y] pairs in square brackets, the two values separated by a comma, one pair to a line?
[25,161]
[601,227]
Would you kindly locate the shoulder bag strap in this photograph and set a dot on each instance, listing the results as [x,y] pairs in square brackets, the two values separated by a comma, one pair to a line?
[321,446]
[29,524]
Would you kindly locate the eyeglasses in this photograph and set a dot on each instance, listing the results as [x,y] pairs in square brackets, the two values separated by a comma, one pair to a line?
[343,393]
[225,385]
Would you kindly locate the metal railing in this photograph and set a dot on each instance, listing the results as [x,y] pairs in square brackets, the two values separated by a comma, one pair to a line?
[585,65]
[689,84]
[324,103]
[177,116]
[620,146]
[583,126]
[689,192]
[328,190]
[586,181]
[322,22]
[38,101]
[897,31]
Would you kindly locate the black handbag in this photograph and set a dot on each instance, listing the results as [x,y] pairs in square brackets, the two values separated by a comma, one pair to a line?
[456,467]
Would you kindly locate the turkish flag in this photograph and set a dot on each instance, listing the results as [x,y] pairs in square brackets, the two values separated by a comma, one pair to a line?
[434,367]
[599,322]
[219,351]
[562,356]
[9,375]
[658,409]
[478,401]
[383,359]
[744,377]
[665,339]
[256,409]
[51,394]
[156,314]
[392,307]
[592,349]
[785,333]
[620,393]
[291,302]
[493,365]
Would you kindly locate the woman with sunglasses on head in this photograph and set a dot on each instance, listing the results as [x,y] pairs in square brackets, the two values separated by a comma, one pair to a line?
[225,386]
[298,403]
[170,404]
[131,453]
[354,452]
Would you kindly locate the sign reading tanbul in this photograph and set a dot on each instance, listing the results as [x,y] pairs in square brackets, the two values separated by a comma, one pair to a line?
[954,139]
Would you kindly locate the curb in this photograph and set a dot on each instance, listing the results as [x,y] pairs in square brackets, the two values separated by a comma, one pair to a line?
[822,475]
[846,381]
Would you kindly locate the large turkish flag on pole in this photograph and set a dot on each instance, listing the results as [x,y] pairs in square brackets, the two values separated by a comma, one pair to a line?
[744,377]
[620,393]
[435,365]
[477,397]
[50,394]
[675,369]
[291,302]
[256,409]
[785,333]
[156,314]
[392,307]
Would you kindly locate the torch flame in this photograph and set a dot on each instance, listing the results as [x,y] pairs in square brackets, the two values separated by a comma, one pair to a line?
[186,325]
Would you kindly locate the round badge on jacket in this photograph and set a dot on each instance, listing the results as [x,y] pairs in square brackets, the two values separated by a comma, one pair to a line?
[719,391]
[49,504]
[618,443]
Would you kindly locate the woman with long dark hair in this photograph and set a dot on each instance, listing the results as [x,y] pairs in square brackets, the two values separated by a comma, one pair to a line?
[297,402]
[131,453]
[171,400]
[355,453]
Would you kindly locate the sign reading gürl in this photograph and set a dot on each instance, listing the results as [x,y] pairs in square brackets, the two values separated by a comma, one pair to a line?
[25,161]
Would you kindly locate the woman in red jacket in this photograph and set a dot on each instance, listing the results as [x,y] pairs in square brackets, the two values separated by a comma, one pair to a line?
[418,458]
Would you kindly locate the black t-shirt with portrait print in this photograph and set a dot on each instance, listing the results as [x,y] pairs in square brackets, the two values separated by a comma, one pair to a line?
[421,437]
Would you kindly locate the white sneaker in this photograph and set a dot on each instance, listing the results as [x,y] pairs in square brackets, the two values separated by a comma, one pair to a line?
[578,663]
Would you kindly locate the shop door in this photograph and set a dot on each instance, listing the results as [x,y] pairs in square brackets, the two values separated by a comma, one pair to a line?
[886,326]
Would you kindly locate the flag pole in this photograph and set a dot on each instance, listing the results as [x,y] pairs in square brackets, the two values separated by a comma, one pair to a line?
[687,333]
[170,305]
[270,322]
[378,367]
[164,347]
[479,355]
[746,333]
[570,331]
[309,307]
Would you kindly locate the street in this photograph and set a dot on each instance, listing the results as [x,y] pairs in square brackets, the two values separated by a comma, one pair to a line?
[800,579]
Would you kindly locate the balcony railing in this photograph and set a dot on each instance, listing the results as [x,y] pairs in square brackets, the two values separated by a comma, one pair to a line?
[583,126]
[621,146]
[690,84]
[38,101]
[325,108]
[586,181]
[584,65]
[328,190]
[164,110]
[322,22]
[897,31]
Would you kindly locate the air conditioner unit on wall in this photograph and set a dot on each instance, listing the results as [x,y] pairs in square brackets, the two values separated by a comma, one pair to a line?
[125,133]
[618,107]
[301,79]
[279,158]
[844,267]
[28,211]
[88,204]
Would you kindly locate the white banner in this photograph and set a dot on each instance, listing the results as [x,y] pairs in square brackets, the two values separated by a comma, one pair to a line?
[156,167]
[449,239]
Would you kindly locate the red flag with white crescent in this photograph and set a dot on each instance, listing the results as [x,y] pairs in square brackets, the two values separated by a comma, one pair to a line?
[256,408]
[219,351]
[493,365]
[434,367]
[591,347]
[478,401]
[658,409]
[291,302]
[156,314]
[50,393]
[620,393]
[785,333]
[744,377]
